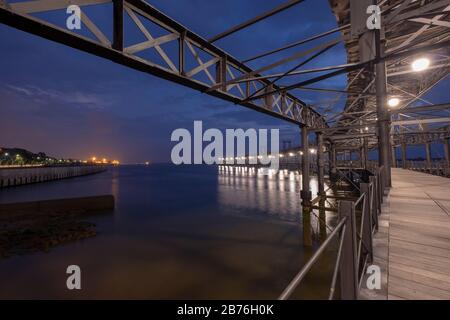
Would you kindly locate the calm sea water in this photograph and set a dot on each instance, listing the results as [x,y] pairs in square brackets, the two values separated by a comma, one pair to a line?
[189,232]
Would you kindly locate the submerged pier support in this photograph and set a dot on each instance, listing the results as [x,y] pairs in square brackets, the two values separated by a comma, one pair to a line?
[320,165]
[306,190]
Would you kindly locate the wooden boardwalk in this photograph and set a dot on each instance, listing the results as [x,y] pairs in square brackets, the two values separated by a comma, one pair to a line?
[413,245]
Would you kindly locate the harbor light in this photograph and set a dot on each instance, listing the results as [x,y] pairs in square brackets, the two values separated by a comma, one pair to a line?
[420,64]
[393,102]
[291,154]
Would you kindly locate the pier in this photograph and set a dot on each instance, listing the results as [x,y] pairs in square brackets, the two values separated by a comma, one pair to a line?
[418,230]
[395,214]
[10,177]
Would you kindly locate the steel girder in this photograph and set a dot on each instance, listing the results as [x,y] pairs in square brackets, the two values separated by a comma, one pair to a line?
[214,67]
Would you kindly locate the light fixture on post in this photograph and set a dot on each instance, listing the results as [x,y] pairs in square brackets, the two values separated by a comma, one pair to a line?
[420,64]
[393,102]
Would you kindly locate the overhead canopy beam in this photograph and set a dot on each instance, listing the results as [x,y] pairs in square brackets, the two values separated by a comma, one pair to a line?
[420,121]
[248,23]
[357,66]
[435,107]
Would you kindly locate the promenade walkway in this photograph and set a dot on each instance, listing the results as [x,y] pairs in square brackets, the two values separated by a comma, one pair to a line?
[413,245]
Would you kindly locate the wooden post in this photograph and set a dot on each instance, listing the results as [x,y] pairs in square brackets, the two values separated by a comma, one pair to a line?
[348,268]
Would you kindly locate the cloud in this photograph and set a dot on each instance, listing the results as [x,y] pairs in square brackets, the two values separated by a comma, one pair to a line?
[78,98]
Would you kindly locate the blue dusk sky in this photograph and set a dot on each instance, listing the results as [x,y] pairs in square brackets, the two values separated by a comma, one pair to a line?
[68,103]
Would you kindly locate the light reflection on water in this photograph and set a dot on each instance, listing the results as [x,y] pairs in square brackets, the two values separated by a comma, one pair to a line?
[178,232]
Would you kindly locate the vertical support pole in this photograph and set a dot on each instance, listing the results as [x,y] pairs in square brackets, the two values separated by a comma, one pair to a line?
[373,201]
[348,265]
[221,73]
[447,152]
[404,165]
[320,165]
[367,221]
[268,100]
[247,89]
[366,153]
[118,25]
[428,154]
[394,157]
[322,220]
[384,139]
[181,55]
[305,192]
[332,160]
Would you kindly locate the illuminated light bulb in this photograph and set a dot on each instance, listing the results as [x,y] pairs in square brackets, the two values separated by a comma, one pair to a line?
[420,64]
[393,102]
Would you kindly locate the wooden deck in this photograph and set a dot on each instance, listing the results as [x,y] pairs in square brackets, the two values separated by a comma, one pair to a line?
[413,245]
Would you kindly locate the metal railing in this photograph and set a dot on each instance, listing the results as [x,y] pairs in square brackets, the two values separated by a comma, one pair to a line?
[355,249]
[439,168]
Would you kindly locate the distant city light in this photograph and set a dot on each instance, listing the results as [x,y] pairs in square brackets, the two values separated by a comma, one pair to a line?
[420,64]
[312,151]
[291,154]
[367,128]
[7,154]
[393,102]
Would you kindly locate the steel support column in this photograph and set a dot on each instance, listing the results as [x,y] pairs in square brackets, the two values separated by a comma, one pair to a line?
[404,159]
[384,139]
[428,155]
[306,191]
[394,157]
[366,153]
[447,152]
[320,165]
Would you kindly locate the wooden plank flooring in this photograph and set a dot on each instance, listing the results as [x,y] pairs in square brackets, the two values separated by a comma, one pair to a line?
[418,236]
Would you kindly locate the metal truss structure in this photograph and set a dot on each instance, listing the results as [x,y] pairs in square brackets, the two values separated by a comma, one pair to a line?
[407,25]
[193,61]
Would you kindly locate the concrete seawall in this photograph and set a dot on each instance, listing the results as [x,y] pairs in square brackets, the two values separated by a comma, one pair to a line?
[19,176]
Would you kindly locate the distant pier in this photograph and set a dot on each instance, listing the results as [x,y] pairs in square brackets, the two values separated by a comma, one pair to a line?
[16,176]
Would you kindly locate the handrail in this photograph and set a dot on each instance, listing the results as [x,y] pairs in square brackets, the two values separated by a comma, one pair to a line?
[351,260]
[304,271]
[336,265]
